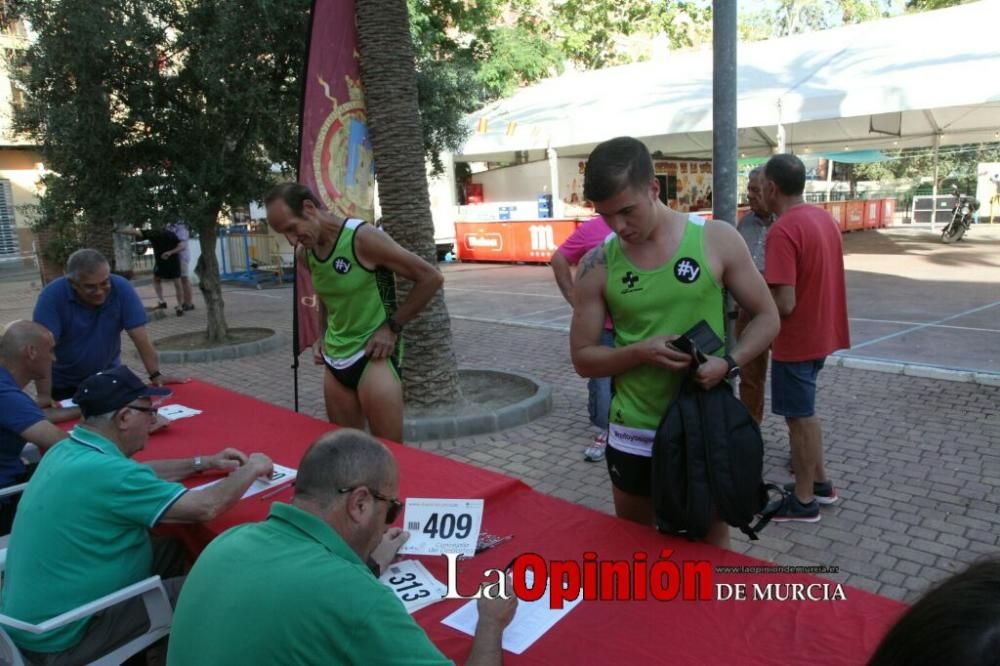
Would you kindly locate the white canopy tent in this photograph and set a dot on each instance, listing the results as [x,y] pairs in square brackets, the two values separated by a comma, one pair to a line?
[930,79]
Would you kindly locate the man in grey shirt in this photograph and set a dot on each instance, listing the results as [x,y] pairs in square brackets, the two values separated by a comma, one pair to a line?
[753,227]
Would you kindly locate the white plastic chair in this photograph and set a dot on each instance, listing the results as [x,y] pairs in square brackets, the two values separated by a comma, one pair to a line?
[7,492]
[154,597]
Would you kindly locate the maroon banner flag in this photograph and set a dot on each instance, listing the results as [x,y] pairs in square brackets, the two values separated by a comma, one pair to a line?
[335,154]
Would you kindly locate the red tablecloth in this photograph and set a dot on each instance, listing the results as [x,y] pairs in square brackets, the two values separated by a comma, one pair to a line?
[595,632]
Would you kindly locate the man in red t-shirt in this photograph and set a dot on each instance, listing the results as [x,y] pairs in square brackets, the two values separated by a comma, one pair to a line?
[804,266]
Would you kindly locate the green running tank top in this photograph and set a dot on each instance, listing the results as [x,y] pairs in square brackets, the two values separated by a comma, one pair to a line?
[357,300]
[667,300]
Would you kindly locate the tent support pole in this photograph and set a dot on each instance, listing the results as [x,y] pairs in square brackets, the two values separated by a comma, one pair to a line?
[557,204]
[934,191]
[829,180]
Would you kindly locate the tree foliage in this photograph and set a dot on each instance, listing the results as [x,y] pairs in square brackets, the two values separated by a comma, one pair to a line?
[792,17]
[927,5]
[160,109]
[467,54]
[957,165]
[596,33]
[471,52]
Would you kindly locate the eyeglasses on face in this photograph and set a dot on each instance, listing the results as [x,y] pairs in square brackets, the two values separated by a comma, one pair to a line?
[395,506]
[149,411]
[93,288]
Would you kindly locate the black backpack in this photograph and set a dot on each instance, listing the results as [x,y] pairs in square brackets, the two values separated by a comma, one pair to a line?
[708,452]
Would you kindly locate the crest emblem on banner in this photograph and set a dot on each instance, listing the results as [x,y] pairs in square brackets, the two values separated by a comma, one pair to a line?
[342,155]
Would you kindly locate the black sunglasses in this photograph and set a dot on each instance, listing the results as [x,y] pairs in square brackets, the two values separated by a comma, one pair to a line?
[147,410]
[395,506]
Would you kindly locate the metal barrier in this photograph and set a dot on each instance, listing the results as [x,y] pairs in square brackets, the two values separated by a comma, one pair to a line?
[143,258]
[936,210]
[19,266]
[251,257]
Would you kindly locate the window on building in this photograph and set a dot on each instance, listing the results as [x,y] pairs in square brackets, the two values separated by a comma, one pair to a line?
[668,187]
[8,231]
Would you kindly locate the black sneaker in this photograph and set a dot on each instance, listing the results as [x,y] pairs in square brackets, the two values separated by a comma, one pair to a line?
[188,306]
[824,491]
[162,305]
[794,510]
[179,310]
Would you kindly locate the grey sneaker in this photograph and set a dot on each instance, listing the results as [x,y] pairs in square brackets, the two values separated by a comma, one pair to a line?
[794,510]
[823,491]
[595,452]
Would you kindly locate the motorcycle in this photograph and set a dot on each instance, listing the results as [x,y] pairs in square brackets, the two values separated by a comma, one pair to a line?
[961,217]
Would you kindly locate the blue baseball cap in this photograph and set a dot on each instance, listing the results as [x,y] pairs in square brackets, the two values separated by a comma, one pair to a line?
[110,390]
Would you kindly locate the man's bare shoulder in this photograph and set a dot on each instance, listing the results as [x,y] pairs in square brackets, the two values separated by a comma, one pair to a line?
[719,233]
[595,260]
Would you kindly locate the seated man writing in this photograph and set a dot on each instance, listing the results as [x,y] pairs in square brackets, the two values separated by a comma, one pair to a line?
[82,528]
[295,588]
[26,354]
[86,312]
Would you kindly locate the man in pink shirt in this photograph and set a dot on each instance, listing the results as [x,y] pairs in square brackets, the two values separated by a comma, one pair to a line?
[587,236]
[804,266]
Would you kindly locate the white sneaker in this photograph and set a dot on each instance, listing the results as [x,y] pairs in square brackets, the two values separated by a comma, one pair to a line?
[595,452]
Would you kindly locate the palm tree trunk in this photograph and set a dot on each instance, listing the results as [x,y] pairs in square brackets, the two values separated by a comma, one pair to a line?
[388,73]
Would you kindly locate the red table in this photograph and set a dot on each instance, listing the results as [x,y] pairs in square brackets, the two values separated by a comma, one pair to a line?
[595,632]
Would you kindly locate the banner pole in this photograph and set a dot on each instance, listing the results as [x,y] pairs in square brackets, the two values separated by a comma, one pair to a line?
[295,255]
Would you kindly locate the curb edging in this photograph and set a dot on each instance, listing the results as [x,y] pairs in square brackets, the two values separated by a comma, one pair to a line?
[225,353]
[509,416]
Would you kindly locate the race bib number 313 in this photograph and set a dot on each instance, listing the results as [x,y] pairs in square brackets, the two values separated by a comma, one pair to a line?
[439,526]
[413,585]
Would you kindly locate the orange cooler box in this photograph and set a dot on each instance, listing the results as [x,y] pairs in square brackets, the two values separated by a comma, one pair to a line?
[838,210]
[872,210]
[522,240]
[887,212]
[855,216]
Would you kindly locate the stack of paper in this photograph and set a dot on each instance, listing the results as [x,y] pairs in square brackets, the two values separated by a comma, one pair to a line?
[281,475]
[531,621]
[174,412]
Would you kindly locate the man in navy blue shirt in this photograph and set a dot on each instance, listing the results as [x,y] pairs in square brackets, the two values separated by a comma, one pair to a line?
[26,354]
[86,311]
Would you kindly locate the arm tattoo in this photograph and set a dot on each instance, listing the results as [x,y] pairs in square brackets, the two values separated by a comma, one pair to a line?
[595,257]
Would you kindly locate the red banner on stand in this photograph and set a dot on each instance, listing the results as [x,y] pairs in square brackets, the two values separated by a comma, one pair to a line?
[335,155]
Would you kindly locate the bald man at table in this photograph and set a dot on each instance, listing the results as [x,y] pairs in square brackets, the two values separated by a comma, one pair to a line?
[297,588]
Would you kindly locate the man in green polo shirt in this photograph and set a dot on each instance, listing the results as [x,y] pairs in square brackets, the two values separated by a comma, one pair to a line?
[82,526]
[295,589]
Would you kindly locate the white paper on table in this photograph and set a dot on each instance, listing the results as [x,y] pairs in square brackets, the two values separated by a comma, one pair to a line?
[174,412]
[413,585]
[67,403]
[281,475]
[531,621]
[439,526]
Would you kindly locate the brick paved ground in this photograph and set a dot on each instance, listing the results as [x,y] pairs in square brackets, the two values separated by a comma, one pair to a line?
[916,461]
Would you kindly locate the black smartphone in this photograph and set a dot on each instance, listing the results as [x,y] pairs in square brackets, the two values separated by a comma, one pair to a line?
[683,344]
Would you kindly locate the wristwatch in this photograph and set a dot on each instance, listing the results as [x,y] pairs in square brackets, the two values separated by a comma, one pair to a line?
[394,325]
[154,375]
[198,464]
[734,368]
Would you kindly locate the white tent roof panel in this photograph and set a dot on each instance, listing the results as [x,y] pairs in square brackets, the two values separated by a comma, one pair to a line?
[823,86]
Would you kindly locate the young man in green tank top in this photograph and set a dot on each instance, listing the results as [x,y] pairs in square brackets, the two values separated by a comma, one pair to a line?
[660,275]
[353,268]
